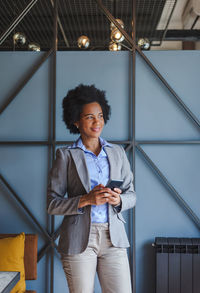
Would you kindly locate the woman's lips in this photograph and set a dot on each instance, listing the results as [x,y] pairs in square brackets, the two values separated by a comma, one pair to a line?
[96,129]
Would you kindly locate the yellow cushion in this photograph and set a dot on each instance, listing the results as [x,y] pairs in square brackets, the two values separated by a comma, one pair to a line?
[12,259]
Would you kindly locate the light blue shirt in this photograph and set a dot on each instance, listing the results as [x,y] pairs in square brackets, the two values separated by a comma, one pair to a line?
[99,171]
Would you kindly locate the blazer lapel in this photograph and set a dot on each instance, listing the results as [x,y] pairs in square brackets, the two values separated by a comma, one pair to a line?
[81,167]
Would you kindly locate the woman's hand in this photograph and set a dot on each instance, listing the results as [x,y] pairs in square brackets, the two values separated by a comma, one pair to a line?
[100,195]
[115,199]
[97,196]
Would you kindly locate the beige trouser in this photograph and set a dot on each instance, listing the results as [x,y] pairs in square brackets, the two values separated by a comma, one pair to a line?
[111,264]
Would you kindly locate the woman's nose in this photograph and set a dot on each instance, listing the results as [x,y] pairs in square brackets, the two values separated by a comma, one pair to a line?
[97,120]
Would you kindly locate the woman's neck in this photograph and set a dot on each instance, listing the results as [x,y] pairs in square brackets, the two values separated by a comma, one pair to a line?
[92,144]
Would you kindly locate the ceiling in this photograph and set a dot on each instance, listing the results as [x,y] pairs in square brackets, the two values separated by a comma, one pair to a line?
[157,20]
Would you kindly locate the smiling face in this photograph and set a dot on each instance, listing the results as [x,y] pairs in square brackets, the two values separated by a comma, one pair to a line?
[91,121]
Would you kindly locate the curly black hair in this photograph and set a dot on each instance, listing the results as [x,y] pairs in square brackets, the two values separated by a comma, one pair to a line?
[78,97]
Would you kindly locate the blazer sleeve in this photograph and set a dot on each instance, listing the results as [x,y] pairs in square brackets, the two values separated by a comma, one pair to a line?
[128,195]
[57,204]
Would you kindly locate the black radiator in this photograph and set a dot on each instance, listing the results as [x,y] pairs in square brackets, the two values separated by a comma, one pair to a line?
[177,265]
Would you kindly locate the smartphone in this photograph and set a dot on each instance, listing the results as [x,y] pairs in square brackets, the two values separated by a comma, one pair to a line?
[114,184]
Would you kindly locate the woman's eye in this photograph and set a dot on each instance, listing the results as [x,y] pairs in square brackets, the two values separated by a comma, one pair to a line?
[89,117]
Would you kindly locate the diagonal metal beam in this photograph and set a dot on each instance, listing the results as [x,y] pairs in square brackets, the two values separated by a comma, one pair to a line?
[45,249]
[129,146]
[22,204]
[168,21]
[25,81]
[170,187]
[174,94]
[61,28]
[153,68]
[56,233]
[113,20]
[17,20]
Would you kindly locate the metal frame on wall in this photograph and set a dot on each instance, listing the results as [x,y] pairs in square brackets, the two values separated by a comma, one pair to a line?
[130,145]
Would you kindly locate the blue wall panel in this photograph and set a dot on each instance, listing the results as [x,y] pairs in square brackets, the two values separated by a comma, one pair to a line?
[29,110]
[108,72]
[25,167]
[159,117]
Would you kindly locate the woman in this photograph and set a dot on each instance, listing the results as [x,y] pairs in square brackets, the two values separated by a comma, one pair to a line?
[92,236]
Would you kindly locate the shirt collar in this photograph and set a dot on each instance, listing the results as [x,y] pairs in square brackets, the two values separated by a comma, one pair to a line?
[79,144]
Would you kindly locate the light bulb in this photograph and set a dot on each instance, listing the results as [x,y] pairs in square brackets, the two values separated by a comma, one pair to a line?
[116,36]
[83,42]
[34,47]
[19,38]
[144,43]
[112,26]
[114,46]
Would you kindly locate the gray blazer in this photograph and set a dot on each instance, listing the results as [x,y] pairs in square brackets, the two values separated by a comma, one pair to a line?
[69,175]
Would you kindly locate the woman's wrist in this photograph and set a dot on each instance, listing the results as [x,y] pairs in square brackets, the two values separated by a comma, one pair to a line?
[83,201]
[119,203]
